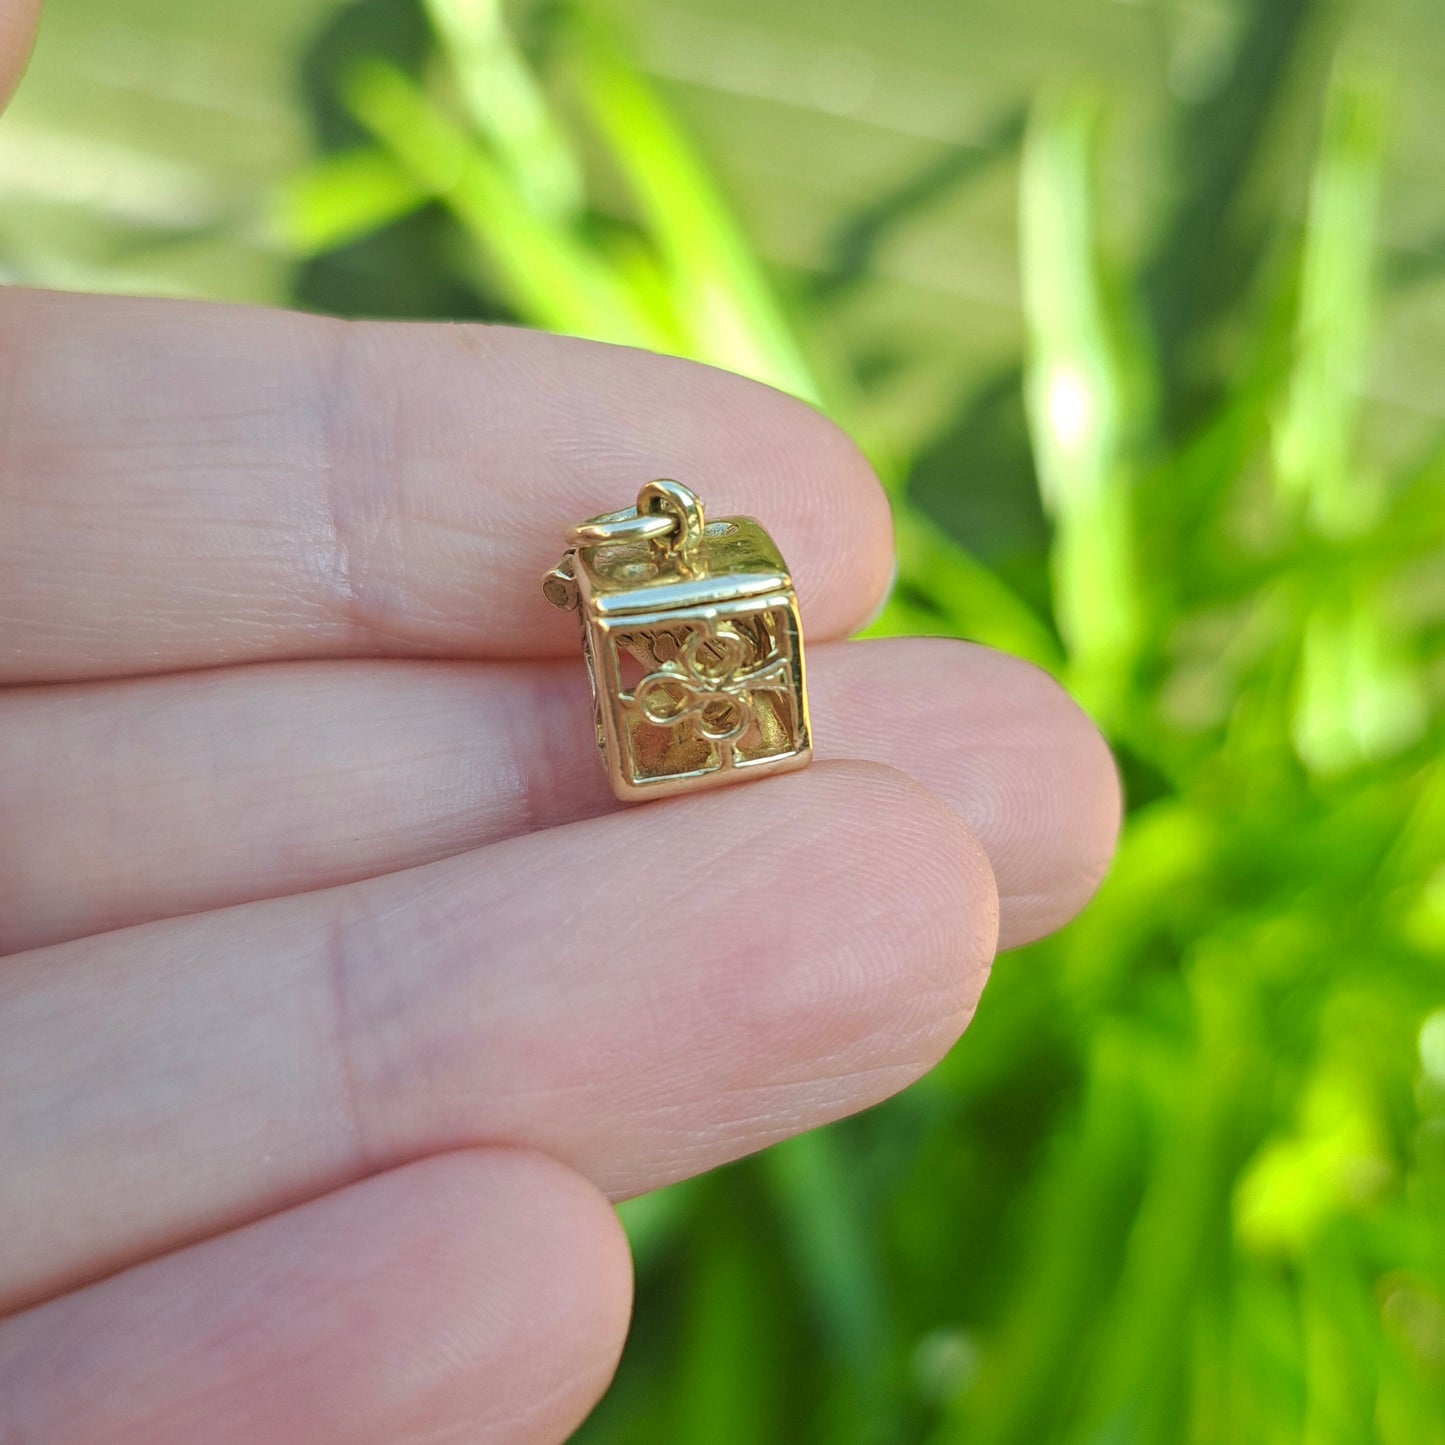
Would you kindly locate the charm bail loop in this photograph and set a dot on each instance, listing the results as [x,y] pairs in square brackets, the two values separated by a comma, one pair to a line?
[667,513]
[667,498]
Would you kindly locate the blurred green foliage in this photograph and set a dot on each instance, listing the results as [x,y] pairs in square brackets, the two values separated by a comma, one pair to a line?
[1184,1181]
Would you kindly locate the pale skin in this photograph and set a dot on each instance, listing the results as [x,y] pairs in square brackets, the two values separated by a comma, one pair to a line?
[327,1035]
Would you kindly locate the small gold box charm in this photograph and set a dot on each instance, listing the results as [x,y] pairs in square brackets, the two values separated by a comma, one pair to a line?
[690,631]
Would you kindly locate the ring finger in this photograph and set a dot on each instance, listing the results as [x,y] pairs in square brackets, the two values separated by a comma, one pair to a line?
[642,996]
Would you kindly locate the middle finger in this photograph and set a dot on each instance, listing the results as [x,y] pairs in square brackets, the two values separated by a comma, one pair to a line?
[130,801]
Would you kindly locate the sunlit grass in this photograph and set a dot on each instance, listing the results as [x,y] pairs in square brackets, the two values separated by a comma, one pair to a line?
[1185,1180]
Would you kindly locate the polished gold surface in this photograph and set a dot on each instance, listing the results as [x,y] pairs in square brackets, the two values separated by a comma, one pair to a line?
[691,637]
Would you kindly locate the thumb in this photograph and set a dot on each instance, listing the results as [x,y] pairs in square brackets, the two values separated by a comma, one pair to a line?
[17,31]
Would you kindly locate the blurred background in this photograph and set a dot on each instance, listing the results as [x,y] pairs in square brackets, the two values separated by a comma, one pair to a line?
[1139,307]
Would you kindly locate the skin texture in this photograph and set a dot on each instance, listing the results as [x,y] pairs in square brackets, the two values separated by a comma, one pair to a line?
[524,1015]
[212,484]
[479,1296]
[328,773]
[337,998]
[17,26]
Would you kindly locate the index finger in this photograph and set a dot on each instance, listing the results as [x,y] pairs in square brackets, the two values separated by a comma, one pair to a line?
[17,28]
[186,484]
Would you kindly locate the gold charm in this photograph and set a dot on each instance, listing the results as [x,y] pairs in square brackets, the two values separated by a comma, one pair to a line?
[691,636]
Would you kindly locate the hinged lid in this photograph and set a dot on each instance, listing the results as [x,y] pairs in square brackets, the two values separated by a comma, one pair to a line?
[733,559]
[663,555]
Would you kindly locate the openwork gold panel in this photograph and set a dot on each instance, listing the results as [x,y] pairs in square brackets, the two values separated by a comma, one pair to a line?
[693,645]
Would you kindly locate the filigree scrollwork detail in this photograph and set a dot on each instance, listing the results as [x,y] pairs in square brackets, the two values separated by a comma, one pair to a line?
[710,682]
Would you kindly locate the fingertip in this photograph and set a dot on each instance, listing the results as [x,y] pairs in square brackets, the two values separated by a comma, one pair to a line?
[746,448]
[1065,798]
[834,518]
[1087,809]
[481,1294]
[569,1320]
[825,939]
[17,32]
[943,871]
[999,741]
[908,918]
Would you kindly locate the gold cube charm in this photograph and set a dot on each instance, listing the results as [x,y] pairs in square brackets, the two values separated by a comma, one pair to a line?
[691,636]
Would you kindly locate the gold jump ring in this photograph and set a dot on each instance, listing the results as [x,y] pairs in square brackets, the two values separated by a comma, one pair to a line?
[624,528]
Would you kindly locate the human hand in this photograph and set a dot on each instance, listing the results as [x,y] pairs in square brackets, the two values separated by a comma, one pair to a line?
[339,996]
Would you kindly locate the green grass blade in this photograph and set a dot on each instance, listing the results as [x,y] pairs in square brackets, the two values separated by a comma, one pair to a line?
[943,590]
[721,294]
[504,101]
[341,198]
[730,1384]
[1315,437]
[1081,404]
[552,278]
[1359,695]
